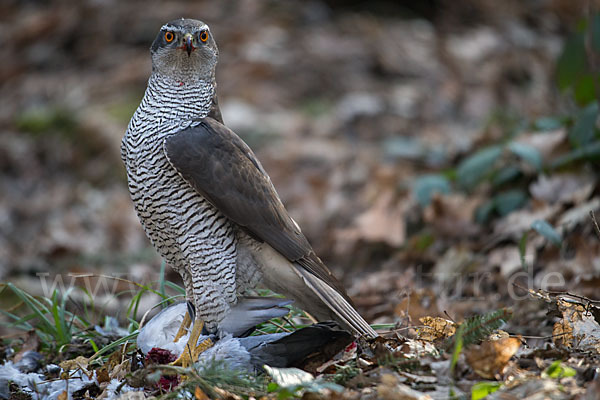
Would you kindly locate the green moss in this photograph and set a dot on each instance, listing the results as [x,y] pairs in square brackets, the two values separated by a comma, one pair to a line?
[40,120]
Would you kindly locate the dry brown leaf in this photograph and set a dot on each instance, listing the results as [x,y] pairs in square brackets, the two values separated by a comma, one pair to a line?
[499,334]
[563,329]
[384,221]
[79,363]
[451,266]
[490,357]
[562,333]
[390,388]
[547,143]
[120,371]
[563,188]
[436,328]
[225,395]
[517,222]
[31,343]
[102,375]
[420,303]
[579,214]
[508,258]
[452,215]
[199,394]
[577,328]
[63,396]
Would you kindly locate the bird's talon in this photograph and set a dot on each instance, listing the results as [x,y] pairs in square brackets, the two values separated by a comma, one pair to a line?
[191,352]
[185,324]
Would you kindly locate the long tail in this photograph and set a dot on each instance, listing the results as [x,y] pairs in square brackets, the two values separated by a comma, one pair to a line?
[347,315]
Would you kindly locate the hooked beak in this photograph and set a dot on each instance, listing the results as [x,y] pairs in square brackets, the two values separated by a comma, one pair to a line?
[188,43]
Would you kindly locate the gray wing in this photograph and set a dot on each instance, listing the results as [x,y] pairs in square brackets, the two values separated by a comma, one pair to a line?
[221,167]
[251,311]
[323,340]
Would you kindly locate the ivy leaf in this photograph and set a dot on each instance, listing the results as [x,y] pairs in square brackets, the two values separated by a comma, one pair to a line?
[589,152]
[548,123]
[509,201]
[571,63]
[546,230]
[585,89]
[472,169]
[527,153]
[584,129]
[506,174]
[426,185]
[484,211]
[595,29]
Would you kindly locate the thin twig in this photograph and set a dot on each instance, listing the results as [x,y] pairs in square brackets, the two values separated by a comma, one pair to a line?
[261,331]
[596,227]
[313,319]
[448,315]
[289,321]
[279,326]
[402,329]
[539,337]
[556,293]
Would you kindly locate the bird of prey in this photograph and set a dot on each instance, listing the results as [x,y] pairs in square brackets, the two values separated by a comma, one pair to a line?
[205,201]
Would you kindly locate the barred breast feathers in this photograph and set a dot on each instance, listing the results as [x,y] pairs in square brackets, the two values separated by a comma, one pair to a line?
[166,108]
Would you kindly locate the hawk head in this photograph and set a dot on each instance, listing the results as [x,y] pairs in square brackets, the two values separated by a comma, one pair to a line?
[184,49]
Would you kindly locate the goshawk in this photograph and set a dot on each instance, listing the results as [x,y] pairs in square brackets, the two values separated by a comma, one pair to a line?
[205,201]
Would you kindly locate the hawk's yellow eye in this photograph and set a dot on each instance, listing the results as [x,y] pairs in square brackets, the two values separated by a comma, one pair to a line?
[169,36]
[204,36]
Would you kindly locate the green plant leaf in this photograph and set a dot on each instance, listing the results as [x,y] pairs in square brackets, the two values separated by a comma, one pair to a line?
[585,89]
[527,153]
[38,309]
[129,338]
[472,169]
[595,31]
[484,211]
[176,287]
[589,152]
[481,390]
[423,241]
[548,123]
[584,129]
[509,201]
[161,283]
[506,174]
[404,148]
[546,230]
[19,323]
[557,370]
[458,345]
[571,63]
[425,186]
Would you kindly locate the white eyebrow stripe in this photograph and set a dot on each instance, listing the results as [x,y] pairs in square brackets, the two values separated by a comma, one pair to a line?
[180,29]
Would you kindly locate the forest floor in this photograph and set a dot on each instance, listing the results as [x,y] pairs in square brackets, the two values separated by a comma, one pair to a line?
[427,153]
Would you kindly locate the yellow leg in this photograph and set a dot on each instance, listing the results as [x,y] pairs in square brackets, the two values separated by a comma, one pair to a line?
[192,350]
[185,324]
